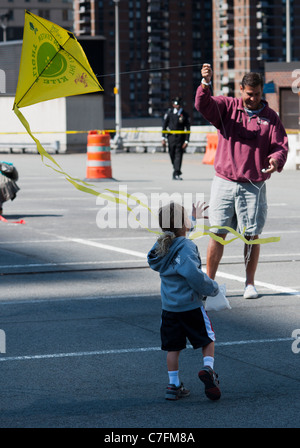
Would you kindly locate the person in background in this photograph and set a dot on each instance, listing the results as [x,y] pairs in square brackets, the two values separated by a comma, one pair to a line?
[183,288]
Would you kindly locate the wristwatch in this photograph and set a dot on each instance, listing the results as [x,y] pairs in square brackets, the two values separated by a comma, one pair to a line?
[205,83]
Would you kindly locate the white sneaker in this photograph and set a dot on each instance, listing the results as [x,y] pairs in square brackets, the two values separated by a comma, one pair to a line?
[250,292]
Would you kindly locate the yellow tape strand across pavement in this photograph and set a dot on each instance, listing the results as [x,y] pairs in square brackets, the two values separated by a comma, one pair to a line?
[113,131]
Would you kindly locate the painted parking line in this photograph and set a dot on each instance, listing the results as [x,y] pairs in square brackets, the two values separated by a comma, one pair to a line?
[108,247]
[133,350]
[68,263]
[270,286]
[97,244]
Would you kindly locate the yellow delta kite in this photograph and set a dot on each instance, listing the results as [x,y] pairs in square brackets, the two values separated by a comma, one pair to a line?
[53,65]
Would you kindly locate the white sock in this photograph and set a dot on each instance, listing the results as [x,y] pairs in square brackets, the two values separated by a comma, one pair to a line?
[208,361]
[174,377]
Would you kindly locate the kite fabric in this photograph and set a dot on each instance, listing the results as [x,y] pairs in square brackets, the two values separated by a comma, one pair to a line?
[53,65]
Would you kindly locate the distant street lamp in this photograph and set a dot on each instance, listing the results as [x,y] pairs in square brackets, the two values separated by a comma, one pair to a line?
[4,18]
[117,89]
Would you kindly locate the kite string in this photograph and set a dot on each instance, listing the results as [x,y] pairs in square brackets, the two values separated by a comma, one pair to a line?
[149,70]
[85,188]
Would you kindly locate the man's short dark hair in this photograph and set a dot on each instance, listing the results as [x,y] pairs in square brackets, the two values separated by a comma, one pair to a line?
[252,79]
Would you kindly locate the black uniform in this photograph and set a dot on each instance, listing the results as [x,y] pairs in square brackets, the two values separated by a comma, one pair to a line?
[178,121]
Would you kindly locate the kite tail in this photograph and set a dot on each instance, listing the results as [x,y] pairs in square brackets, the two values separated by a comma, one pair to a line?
[44,153]
[25,123]
[81,185]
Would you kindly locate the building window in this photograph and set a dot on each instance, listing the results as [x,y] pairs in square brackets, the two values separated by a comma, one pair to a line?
[67,15]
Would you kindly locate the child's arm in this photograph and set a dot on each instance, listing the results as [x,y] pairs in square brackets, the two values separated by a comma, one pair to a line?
[190,268]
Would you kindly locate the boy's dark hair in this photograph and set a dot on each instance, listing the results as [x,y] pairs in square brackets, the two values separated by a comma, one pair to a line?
[171,219]
[252,79]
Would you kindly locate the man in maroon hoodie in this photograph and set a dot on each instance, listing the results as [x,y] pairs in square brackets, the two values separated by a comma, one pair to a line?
[252,144]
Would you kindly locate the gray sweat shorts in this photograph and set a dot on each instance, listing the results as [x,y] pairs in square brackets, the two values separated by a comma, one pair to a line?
[239,205]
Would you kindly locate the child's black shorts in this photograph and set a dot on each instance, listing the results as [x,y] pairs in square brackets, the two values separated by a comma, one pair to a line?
[176,327]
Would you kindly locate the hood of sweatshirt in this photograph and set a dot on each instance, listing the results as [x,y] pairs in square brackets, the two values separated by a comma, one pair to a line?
[183,283]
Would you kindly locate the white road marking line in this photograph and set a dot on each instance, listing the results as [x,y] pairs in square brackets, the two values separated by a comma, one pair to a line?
[270,286]
[35,212]
[67,263]
[134,253]
[132,350]
[279,232]
[60,240]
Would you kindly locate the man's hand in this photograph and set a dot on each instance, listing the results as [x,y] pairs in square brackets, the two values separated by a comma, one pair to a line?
[206,72]
[273,166]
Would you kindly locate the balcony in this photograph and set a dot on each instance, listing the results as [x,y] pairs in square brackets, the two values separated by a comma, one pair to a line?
[263,46]
[262,35]
[85,30]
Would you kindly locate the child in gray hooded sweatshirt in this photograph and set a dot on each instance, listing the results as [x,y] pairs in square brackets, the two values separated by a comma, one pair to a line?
[183,287]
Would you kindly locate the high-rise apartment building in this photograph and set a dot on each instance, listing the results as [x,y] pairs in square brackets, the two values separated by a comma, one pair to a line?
[246,35]
[162,46]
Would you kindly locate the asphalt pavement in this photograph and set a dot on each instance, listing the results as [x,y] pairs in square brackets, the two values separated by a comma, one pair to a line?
[80,309]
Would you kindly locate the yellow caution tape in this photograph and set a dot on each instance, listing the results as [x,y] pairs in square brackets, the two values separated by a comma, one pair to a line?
[109,131]
[113,131]
[207,231]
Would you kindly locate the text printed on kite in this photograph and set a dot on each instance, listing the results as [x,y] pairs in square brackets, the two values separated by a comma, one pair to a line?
[144,208]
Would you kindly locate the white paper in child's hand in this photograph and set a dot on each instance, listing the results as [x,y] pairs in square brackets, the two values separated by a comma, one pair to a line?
[219,302]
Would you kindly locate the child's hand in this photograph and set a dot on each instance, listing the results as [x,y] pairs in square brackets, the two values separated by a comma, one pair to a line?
[198,211]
